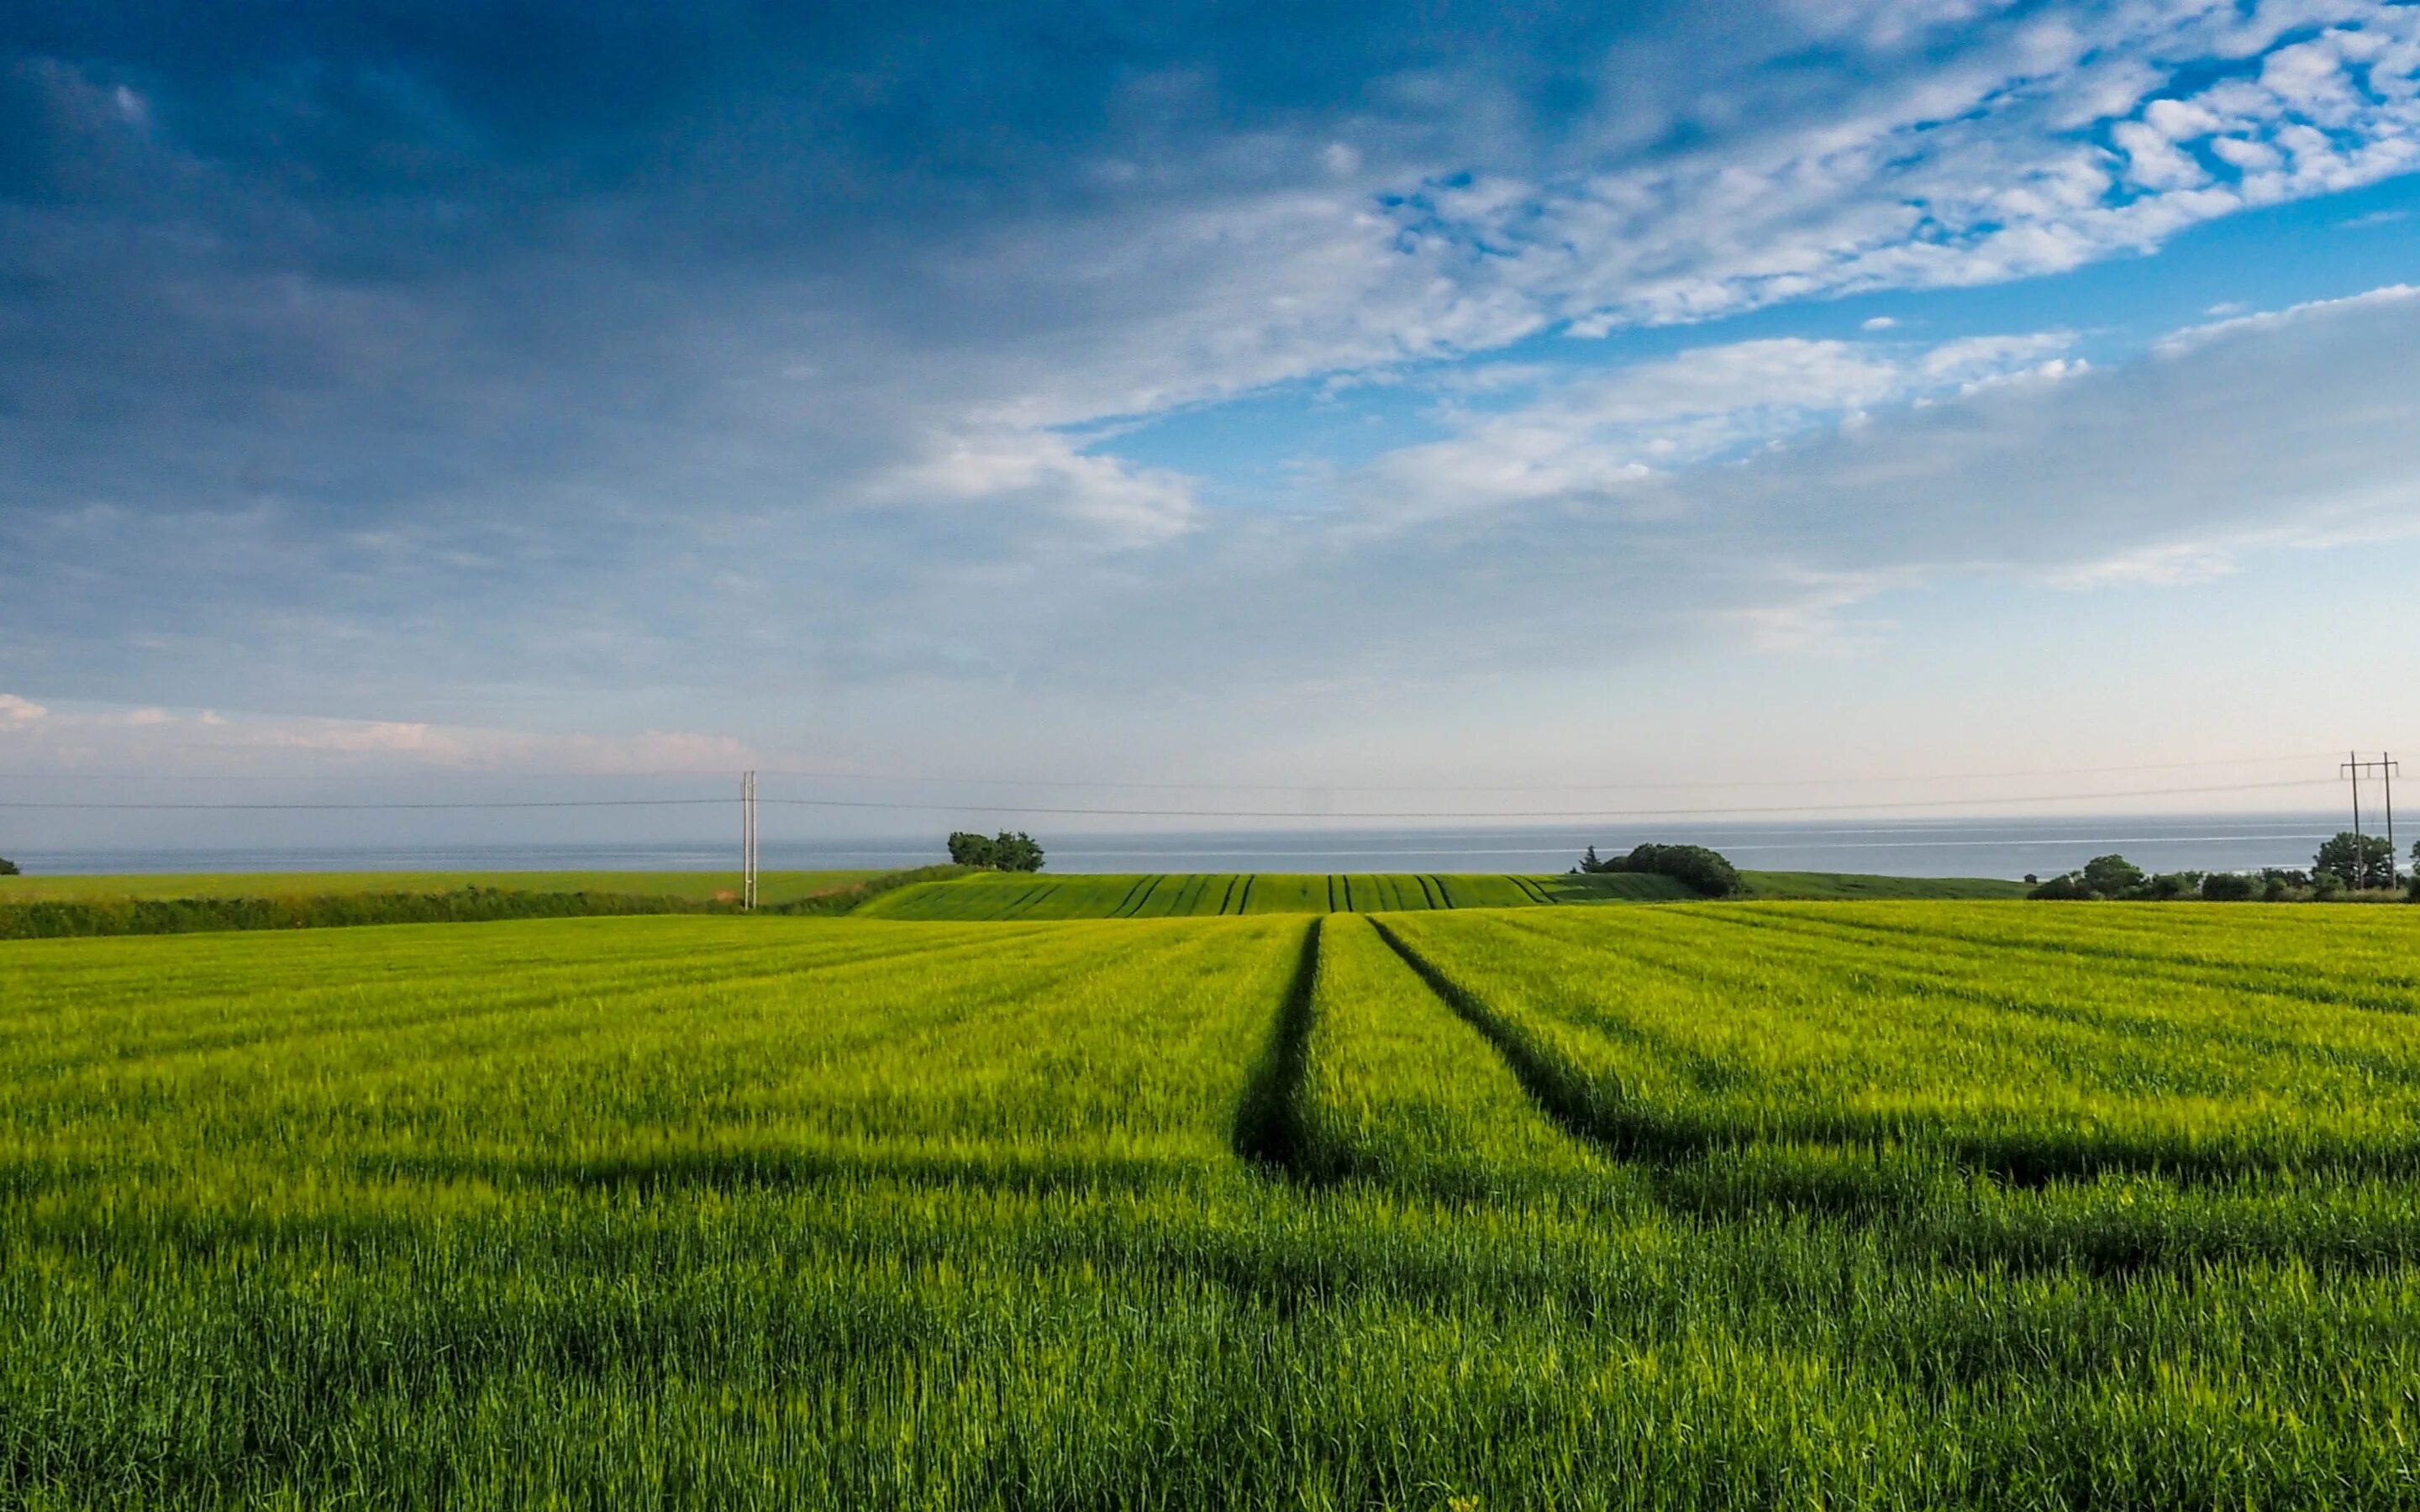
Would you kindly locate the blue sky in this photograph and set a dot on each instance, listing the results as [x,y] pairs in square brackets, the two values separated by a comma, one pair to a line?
[1305,395]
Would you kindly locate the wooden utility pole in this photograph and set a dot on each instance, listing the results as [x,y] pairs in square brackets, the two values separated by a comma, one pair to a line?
[747,842]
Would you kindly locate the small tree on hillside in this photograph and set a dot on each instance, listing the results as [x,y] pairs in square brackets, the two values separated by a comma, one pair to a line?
[1003,852]
[2111,876]
[1018,852]
[2356,860]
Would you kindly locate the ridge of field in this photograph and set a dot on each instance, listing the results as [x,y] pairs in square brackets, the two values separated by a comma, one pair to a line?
[1705,1206]
[1180,894]
[699,886]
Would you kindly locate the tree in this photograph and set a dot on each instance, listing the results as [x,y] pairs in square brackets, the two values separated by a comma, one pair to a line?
[1589,862]
[2061,889]
[1017,852]
[2227,888]
[2111,876]
[7,867]
[2355,861]
[1003,852]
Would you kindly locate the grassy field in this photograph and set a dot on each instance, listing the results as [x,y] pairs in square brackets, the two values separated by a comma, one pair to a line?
[1890,1205]
[702,886]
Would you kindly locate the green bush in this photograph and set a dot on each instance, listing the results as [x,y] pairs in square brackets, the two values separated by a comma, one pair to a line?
[8,868]
[59,918]
[2227,888]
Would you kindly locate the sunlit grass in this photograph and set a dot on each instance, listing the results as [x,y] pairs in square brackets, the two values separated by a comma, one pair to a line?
[718,1212]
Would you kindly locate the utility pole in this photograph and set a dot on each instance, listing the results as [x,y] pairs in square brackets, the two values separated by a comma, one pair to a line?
[2387,771]
[747,842]
[2385,767]
[2352,769]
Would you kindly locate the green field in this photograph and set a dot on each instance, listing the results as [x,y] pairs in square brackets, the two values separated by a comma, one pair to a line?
[703,887]
[1186,895]
[1175,895]
[1892,1204]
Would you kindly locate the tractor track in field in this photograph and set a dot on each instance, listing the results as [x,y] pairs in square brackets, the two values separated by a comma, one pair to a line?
[1272,1127]
[1572,1100]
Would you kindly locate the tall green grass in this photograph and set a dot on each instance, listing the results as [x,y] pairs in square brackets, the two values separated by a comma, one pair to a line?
[1256,1211]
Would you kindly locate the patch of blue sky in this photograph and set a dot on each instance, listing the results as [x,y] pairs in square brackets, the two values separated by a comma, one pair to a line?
[1256,450]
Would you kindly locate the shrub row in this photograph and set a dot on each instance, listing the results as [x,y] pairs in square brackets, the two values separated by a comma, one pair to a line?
[62,919]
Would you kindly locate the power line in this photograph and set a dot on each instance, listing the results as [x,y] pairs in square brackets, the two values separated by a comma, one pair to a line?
[1545,787]
[1565,814]
[1305,785]
[894,806]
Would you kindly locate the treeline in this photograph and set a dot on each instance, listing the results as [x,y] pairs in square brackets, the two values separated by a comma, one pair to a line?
[70,918]
[1003,852]
[62,919]
[2347,866]
[1705,871]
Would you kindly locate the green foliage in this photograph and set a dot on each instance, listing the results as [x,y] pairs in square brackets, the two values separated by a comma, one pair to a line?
[8,868]
[1858,1206]
[2356,861]
[2227,888]
[2111,876]
[1704,871]
[1003,852]
[44,919]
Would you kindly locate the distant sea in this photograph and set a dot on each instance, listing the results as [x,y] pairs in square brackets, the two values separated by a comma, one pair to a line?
[1896,847]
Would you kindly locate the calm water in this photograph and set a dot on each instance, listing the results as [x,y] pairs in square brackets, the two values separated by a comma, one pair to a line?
[1970,848]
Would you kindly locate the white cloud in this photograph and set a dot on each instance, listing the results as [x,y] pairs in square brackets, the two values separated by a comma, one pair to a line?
[19,711]
[1991,169]
[1602,433]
